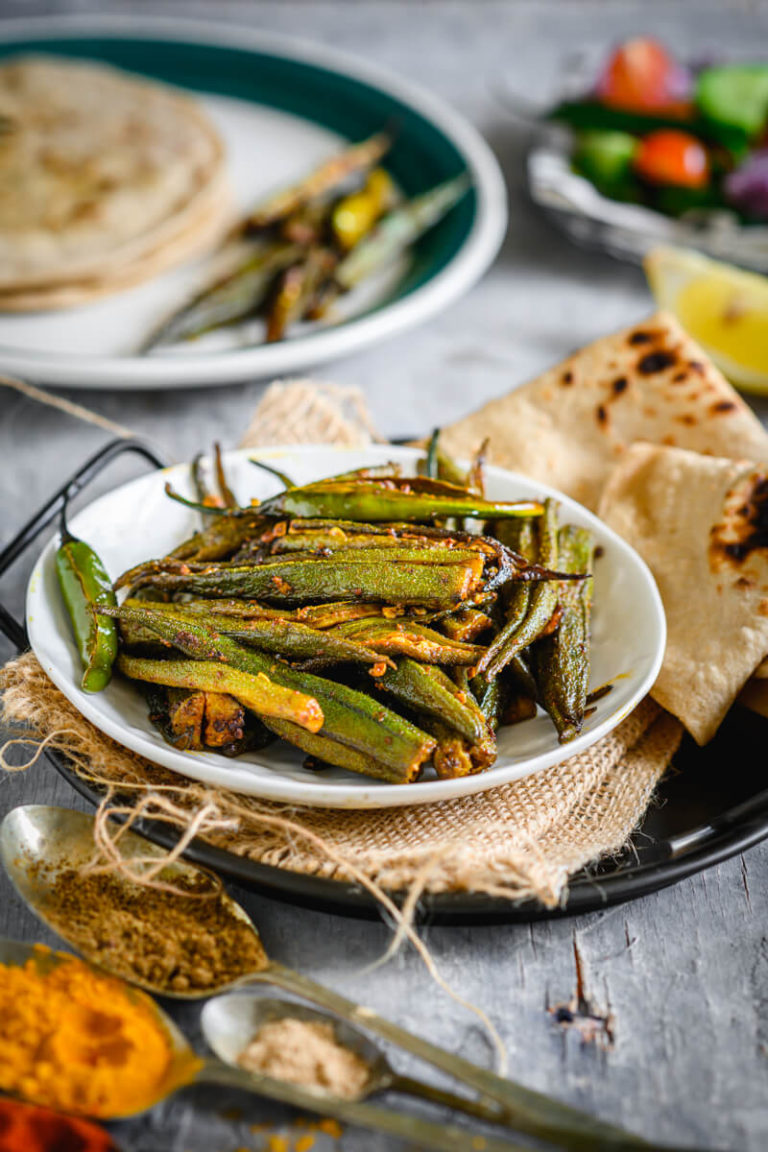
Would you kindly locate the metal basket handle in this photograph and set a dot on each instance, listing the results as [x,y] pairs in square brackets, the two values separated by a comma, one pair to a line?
[14,629]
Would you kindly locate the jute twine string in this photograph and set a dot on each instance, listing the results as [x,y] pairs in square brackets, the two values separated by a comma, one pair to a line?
[212,815]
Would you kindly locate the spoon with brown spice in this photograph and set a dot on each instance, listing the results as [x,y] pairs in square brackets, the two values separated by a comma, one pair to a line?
[188,939]
[185,1068]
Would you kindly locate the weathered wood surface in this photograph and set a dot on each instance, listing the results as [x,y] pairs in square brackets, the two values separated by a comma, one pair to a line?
[682,975]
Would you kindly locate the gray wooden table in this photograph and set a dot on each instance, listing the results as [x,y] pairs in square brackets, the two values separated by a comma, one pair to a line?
[683,974]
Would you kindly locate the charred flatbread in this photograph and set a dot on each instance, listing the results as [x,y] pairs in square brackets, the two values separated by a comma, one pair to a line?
[571,426]
[701,525]
[205,231]
[98,169]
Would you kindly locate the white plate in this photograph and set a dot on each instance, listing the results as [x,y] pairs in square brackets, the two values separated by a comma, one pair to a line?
[281,105]
[137,521]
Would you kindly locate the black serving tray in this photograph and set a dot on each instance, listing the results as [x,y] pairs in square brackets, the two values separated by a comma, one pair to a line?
[711,804]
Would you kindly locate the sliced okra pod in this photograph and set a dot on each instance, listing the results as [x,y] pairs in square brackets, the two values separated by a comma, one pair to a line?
[296,581]
[561,660]
[395,638]
[352,721]
[527,618]
[289,638]
[399,229]
[427,689]
[323,179]
[256,691]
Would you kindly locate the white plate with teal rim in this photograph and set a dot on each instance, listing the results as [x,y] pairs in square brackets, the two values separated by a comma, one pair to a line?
[138,521]
[281,106]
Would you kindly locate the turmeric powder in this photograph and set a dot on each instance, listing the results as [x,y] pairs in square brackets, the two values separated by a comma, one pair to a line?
[74,1039]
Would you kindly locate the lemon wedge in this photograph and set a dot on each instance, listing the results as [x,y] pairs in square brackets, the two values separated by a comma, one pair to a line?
[723,308]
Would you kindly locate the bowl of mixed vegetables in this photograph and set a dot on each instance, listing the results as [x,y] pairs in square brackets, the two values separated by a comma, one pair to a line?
[656,150]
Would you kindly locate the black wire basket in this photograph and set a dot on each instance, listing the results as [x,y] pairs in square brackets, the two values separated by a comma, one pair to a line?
[711,804]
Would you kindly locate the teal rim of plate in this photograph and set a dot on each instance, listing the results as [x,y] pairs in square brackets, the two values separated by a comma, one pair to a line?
[421,156]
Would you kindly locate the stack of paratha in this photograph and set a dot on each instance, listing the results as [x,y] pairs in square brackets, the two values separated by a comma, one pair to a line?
[105,179]
[642,428]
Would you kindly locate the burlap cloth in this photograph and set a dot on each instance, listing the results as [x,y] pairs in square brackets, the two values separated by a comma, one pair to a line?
[516,840]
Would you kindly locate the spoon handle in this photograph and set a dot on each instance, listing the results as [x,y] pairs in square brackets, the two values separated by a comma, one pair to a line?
[526,1110]
[488,1112]
[412,1129]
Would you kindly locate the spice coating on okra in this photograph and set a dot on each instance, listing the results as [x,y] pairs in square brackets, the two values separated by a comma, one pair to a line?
[385,624]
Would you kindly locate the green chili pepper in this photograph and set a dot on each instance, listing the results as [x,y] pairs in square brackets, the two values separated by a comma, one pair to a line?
[85,587]
[374,501]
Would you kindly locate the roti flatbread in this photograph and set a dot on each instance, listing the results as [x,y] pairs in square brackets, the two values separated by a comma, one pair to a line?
[205,231]
[97,170]
[701,525]
[572,425]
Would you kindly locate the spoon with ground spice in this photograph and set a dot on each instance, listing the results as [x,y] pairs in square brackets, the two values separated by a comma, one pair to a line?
[183,936]
[73,1037]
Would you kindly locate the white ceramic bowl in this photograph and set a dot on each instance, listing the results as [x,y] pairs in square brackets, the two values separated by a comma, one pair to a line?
[138,521]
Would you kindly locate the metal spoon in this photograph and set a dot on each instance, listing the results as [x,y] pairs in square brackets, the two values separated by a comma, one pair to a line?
[230,1021]
[37,840]
[186,1068]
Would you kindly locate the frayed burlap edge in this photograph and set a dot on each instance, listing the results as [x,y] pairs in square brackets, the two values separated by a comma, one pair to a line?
[516,840]
[305,412]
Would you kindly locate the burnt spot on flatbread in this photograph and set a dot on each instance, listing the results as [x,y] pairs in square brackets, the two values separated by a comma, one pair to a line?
[723,406]
[746,530]
[686,418]
[679,378]
[620,385]
[744,582]
[601,414]
[640,336]
[566,378]
[654,362]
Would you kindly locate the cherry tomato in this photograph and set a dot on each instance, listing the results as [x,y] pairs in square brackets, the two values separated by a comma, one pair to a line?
[672,157]
[641,76]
